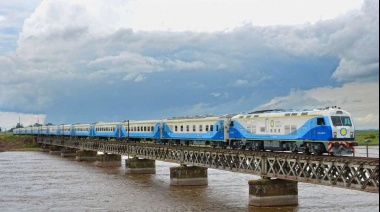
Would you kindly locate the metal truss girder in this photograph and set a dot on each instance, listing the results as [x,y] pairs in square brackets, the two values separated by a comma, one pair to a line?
[346,172]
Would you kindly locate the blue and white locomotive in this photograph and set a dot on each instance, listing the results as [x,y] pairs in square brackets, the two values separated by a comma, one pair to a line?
[329,130]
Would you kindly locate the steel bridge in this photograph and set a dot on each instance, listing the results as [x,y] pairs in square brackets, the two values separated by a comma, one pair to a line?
[356,173]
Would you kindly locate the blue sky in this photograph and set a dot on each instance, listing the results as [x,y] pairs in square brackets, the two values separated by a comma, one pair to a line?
[85,61]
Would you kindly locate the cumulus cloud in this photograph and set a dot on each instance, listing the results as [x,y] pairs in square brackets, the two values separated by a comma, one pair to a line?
[353,38]
[70,51]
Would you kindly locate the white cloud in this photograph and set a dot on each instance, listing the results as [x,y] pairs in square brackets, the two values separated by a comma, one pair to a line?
[223,95]
[241,82]
[354,68]
[216,15]
[10,119]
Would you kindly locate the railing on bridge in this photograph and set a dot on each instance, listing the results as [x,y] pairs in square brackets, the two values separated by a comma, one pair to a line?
[345,172]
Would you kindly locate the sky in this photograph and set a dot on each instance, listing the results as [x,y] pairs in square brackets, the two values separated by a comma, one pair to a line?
[80,61]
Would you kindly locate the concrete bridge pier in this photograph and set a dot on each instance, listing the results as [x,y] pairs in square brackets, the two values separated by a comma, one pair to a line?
[68,152]
[140,166]
[55,150]
[273,192]
[84,155]
[108,160]
[188,176]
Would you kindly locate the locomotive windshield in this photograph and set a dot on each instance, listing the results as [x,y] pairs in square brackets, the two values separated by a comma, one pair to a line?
[341,121]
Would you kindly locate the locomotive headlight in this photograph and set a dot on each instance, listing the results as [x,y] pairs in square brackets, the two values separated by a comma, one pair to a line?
[334,134]
[351,134]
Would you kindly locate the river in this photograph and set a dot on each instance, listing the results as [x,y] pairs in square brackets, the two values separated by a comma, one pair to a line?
[37,181]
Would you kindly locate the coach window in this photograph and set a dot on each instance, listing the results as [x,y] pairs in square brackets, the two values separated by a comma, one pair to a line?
[187,128]
[206,128]
[145,128]
[181,128]
[217,127]
[176,128]
[211,128]
[194,128]
[200,128]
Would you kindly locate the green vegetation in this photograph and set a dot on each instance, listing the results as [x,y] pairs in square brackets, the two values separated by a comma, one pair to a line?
[8,136]
[362,135]
[9,142]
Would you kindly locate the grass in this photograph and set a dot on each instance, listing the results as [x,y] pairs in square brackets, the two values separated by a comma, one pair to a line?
[8,141]
[362,135]
[8,136]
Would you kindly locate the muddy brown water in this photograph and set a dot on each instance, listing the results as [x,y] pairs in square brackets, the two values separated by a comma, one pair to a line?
[37,181]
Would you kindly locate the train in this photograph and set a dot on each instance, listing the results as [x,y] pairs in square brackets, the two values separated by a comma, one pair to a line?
[328,130]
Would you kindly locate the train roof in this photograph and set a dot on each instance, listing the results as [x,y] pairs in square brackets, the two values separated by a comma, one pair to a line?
[293,112]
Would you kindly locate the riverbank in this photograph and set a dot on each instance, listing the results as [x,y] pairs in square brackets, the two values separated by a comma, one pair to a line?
[15,143]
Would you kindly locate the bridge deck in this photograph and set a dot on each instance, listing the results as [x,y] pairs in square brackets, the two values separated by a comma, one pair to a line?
[346,172]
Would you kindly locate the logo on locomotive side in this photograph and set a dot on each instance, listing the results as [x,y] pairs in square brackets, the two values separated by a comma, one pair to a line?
[343,131]
[272,123]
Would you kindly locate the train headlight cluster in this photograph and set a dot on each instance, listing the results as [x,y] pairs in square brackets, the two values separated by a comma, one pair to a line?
[351,134]
[334,134]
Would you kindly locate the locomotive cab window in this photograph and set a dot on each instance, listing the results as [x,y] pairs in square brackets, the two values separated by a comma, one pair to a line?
[341,121]
[321,121]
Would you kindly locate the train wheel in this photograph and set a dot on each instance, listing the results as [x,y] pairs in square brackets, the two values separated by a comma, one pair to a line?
[320,149]
[319,152]
[307,151]
[294,148]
